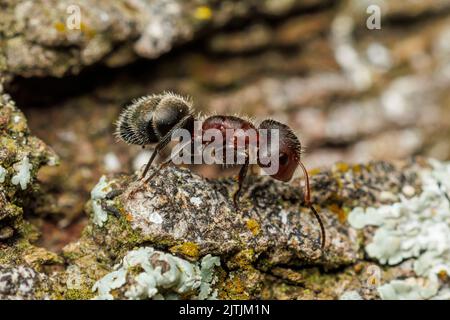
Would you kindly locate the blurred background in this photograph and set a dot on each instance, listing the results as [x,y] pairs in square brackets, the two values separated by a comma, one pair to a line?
[352,90]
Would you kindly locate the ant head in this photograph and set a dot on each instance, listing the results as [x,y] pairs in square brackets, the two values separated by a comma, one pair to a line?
[170,110]
[289,149]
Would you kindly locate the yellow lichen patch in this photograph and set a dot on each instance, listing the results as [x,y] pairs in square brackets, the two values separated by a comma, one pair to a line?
[89,32]
[443,275]
[314,172]
[129,217]
[9,145]
[341,167]
[253,226]
[189,249]
[203,13]
[339,182]
[358,267]
[368,167]
[79,294]
[340,212]
[59,26]
[234,289]
[242,260]
[357,168]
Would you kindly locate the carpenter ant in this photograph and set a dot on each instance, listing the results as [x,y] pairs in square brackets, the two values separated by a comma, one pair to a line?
[153,120]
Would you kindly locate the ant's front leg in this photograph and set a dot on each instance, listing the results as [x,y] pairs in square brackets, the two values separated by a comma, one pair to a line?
[163,143]
[241,178]
[311,207]
[164,164]
[158,147]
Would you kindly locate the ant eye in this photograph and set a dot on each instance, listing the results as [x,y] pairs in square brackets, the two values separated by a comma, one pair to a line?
[284,158]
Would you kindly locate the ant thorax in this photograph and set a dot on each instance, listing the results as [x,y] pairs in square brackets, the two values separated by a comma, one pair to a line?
[227,140]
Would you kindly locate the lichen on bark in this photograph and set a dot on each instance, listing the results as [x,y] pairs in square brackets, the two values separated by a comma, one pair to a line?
[282,259]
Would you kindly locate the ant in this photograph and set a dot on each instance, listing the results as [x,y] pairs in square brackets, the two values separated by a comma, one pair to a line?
[153,119]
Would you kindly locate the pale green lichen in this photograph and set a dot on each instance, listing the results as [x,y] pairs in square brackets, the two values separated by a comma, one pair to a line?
[23,175]
[416,288]
[418,228]
[3,173]
[97,195]
[161,276]
[207,271]
[111,281]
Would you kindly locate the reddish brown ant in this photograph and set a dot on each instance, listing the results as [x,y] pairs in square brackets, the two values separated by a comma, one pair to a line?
[153,120]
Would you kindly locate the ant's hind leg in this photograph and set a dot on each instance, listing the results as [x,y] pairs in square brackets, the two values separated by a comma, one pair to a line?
[311,207]
[241,178]
[322,228]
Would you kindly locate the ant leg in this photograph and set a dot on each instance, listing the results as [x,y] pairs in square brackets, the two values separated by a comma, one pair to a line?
[307,188]
[311,207]
[152,157]
[241,178]
[164,142]
[164,164]
[322,228]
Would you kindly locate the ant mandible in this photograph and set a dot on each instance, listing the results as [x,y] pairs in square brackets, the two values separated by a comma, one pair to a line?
[153,119]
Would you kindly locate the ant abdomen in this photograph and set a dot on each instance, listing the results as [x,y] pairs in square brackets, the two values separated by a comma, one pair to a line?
[172,111]
[135,124]
[150,118]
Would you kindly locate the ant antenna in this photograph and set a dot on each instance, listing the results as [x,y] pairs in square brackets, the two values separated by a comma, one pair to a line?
[311,207]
